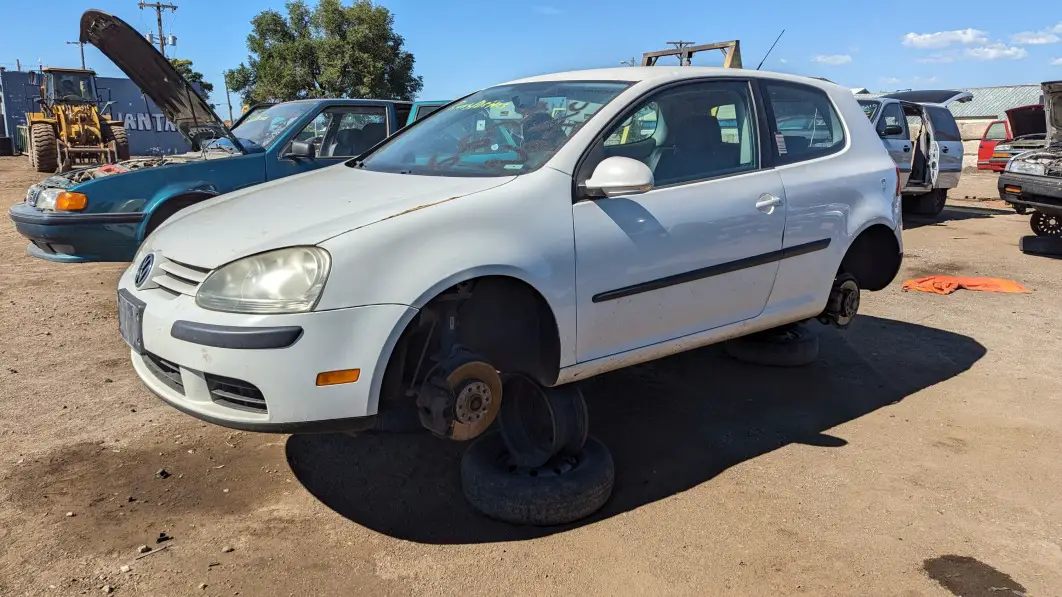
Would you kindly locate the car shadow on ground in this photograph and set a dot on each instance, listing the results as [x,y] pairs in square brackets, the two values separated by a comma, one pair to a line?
[950,214]
[671,425]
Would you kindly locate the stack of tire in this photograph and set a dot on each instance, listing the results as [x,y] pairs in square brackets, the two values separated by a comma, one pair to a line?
[1048,239]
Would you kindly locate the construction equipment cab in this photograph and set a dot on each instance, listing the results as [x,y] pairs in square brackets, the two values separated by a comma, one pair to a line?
[70,126]
[921,135]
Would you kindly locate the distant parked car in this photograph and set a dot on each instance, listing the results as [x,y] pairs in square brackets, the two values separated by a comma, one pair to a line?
[1028,128]
[921,135]
[103,213]
[1033,178]
[995,132]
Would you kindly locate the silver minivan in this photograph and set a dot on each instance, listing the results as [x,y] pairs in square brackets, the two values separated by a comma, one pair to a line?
[923,139]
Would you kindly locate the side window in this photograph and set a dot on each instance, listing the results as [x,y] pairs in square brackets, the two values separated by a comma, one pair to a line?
[688,133]
[402,114]
[805,124]
[345,131]
[996,132]
[892,115]
[944,127]
[423,111]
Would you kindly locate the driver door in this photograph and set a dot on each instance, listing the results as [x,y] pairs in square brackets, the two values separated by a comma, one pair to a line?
[697,251]
[899,145]
[337,133]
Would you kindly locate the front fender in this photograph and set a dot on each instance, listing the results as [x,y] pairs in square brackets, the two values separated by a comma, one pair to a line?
[522,230]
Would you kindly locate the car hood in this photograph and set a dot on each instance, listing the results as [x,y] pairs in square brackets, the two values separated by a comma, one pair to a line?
[305,209]
[154,75]
[1053,106]
[1027,120]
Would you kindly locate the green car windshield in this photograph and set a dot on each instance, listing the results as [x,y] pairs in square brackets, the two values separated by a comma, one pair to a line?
[500,131]
[262,126]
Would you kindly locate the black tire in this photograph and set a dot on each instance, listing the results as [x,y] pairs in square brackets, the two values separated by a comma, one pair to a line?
[1050,246]
[787,346]
[1019,209]
[43,145]
[1046,225]
[540,496]
[118,134]
[929,204]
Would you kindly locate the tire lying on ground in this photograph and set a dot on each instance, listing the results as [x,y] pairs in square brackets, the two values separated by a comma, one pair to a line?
[787,346]
[563,490]
[1041,245]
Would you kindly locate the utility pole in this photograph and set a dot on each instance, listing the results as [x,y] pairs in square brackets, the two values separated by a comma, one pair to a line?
[225,75]
[159,7]
[678,46]
[81,46]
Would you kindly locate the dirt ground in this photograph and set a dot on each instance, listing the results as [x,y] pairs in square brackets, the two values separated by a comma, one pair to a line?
[920,456]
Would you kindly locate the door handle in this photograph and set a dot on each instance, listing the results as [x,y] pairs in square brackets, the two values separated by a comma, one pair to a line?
[768,202]
[944,149]
[906,148]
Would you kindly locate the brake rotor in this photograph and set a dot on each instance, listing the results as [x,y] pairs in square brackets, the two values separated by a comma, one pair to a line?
[477,392]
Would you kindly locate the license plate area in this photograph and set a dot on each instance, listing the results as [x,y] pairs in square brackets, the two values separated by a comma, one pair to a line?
[131,320]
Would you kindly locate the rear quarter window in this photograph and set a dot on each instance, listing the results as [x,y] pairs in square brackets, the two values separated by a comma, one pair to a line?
[804,123]
[944,126]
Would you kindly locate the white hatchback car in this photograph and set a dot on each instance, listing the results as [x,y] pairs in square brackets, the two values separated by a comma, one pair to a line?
[554,228]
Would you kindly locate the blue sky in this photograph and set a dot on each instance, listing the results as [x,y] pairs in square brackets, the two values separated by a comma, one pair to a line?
[464,45]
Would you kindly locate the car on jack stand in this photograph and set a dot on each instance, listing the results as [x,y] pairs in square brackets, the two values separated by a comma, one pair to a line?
[1033,180]
[531,235]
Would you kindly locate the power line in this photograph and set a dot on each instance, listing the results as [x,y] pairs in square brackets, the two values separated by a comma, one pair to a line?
[159,7]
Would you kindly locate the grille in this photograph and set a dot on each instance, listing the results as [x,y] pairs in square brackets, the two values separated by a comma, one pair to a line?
[167,372]
[179,278]
[235,393]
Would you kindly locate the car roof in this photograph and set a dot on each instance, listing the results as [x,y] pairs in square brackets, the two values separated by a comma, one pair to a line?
[344,100]
[674,73]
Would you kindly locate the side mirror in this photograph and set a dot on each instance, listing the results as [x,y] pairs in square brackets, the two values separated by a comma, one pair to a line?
[300,150]
[892,130]
[32,78]
[618,176]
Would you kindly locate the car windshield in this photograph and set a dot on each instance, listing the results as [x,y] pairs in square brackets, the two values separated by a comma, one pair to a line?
[263,126]
[500,131]
[870,108]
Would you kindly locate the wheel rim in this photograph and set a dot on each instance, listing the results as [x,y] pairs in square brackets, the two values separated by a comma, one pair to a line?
[1046,225]
[538,423]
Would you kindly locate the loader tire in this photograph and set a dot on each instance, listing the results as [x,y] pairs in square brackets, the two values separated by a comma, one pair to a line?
[118,134]
[45,152]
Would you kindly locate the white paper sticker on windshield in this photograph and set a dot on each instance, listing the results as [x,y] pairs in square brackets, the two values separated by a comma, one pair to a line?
[779,139]
[513,166]
[481,125]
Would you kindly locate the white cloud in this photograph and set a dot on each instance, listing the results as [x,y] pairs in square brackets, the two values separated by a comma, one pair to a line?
[996,52]
[926,79]
[943,39]
[832,59]
[1034,38]
[551,11]
[782,60]
[1056,62]
[891,80]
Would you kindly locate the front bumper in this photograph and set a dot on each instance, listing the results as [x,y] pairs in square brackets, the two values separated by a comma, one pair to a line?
[1039,192]
[192,373]
[76,236]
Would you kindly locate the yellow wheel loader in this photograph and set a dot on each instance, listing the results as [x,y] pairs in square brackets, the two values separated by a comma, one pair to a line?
[70,127]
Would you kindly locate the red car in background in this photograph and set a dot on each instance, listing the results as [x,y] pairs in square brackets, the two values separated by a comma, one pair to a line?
[1023,129]
[998,130]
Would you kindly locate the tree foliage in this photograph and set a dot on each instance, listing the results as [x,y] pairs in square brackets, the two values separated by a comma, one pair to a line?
[184,68]
[331,50]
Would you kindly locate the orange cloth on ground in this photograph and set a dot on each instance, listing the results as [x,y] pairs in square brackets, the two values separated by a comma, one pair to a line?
[949,284]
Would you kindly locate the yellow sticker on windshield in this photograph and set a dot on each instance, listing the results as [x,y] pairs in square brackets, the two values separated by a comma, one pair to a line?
[480,104]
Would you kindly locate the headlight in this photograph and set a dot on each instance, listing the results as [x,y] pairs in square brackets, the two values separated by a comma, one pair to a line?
[46,200]
[282,281]
[1020,167]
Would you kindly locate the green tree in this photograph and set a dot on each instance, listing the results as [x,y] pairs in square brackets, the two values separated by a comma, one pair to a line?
[184,68]
[330,50]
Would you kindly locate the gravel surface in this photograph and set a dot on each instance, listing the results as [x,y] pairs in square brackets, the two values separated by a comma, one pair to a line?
[921,455]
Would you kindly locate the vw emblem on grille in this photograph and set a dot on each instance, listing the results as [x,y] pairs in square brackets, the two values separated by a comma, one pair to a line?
[144,270]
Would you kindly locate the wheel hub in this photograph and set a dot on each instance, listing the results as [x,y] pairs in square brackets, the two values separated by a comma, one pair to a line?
[1046,224]
[462,398]
[843,303]
[473,402]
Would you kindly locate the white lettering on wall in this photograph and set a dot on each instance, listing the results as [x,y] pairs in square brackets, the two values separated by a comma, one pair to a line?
[145,121]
